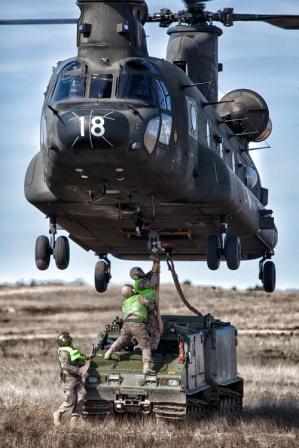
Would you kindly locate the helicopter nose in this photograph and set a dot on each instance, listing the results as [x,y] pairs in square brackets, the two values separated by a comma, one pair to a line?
[93,129]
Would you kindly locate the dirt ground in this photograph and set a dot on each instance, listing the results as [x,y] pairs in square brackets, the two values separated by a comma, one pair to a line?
[268,354]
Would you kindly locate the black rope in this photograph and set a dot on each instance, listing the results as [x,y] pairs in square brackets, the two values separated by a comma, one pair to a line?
[170,265]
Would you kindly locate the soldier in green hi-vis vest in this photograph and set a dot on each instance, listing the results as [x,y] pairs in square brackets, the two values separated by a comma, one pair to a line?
[73,369]
[146,285]
[135,310]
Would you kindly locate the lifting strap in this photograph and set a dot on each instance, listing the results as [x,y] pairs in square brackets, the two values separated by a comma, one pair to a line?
[170,265]
[157,303]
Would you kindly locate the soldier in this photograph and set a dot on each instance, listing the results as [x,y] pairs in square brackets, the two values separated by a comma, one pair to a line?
[73,368]
[145,285]
[135,309]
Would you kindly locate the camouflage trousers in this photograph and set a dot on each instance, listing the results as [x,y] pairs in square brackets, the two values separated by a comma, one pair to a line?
[75,395]
[153,330]
[139,332]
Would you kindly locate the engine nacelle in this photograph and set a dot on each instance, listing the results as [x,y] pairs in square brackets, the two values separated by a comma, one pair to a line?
[247,114]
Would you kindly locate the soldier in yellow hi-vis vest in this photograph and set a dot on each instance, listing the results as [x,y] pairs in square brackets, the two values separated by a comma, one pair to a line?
[72,363]
[145,285]
[135,310]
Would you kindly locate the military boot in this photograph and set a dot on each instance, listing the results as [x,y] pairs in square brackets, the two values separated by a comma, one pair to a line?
[147,368]
[57,418]
[108,353]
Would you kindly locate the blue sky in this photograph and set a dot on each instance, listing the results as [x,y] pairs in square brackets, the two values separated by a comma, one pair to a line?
[255,56]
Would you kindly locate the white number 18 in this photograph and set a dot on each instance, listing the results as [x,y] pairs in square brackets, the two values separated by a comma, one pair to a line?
[97,126]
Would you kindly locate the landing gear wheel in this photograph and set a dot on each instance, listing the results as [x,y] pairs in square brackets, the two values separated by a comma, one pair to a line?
[101,276]
[232,252]
[269,276]
[213,252]
[62,252]
[42,252]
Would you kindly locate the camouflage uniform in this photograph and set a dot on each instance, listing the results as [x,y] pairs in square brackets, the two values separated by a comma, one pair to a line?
[151,280]
[74,389]
[139,332]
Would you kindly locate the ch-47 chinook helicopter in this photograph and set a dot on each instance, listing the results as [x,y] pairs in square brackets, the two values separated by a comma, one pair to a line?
[132,144]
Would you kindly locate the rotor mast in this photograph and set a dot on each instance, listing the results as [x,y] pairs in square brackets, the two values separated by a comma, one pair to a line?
[195,49]
[111,30]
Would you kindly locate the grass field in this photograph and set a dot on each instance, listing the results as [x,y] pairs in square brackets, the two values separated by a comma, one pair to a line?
[268,353]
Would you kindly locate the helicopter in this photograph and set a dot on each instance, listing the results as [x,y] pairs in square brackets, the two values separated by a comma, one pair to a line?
[132,144]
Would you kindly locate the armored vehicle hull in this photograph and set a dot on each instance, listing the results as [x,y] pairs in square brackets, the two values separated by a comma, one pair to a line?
[195,372]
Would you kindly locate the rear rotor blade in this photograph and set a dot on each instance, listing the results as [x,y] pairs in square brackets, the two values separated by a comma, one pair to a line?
[286,22]
[39,22]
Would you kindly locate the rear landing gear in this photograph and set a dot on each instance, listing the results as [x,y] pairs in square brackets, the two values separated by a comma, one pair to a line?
[268,274]
[45,247]
[102,274]
[227,246]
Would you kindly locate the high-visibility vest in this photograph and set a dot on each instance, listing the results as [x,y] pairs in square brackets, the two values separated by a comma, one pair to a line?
[132,307]
[148,293]
[74,353]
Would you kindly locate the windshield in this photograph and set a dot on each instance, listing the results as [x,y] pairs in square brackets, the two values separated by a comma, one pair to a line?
[69,87]
[136,86]
[73,65]
[101,86]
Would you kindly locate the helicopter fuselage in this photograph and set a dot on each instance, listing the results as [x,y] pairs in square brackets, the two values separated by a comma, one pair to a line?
[136,146]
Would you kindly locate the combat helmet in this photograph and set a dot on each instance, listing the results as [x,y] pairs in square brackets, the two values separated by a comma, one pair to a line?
[127,291]
[136,273]
[64,339]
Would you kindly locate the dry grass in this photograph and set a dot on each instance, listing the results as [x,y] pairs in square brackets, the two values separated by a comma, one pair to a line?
[30,390]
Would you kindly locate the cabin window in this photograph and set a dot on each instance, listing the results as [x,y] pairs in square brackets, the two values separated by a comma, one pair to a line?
[209,134]
[251,177]
[101,86]
[165,132]
[163,95]
[192,117]
[69,87]
[233,162]
[151,134]
[135,86]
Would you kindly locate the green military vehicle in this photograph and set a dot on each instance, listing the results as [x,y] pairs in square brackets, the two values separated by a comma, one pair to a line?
[195,365]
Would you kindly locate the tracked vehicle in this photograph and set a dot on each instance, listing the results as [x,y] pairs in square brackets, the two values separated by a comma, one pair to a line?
[195,365]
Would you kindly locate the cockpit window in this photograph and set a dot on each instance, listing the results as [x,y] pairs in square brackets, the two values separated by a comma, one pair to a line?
[163,95]
[70,66]
[136,86]
[101,86]
[69,87]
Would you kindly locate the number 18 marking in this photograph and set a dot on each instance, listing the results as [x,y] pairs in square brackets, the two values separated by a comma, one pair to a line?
[97,126]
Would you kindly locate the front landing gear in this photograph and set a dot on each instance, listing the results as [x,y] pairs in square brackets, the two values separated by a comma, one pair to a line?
[45,247]
[268,274]
[102,274]
[43,252]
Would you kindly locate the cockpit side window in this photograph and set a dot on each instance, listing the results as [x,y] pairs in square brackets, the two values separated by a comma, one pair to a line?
[136,86]
[101,86]
[69,87]
[163,95]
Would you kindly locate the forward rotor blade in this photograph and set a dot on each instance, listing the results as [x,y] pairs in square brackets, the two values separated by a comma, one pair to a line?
[39,22]
[286,22]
